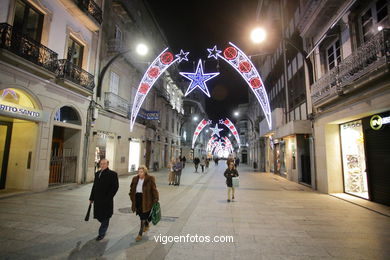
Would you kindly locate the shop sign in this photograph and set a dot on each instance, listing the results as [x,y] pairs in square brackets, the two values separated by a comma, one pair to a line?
[377,121]
[13,110]
[149,115]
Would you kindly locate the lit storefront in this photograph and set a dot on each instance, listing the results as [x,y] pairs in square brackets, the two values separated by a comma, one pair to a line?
[365,146]
[18,112]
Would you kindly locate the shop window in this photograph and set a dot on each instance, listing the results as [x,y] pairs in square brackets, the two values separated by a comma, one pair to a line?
[68,115]
[75,52]
[353,157]
[28,20]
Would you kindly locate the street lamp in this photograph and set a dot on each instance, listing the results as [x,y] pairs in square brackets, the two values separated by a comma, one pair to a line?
[195,118]
[236,113]
[141,49]
[258,35]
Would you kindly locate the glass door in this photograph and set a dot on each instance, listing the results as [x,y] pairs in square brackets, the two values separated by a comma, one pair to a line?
[354,160]
[5,140]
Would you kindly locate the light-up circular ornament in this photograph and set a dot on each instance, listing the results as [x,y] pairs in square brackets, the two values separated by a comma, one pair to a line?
[243,65]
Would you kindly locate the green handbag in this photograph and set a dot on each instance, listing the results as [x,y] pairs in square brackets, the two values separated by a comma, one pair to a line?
[155,213]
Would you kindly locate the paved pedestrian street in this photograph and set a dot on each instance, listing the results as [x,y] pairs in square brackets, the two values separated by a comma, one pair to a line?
[271,218]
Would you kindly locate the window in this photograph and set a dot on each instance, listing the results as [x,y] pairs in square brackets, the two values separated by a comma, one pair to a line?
[28,20]
[118,33]
[333,55]
[114,83]
[75,52]
[376,14]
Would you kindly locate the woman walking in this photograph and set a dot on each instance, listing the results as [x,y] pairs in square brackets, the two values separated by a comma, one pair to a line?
[202,163]
[143,194]
[229,174]
[171,173]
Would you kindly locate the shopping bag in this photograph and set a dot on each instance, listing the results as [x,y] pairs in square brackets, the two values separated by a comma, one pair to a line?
[235,181]
[155,213]
[88,212]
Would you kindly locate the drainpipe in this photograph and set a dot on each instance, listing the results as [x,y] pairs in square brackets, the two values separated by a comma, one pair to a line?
[92,105]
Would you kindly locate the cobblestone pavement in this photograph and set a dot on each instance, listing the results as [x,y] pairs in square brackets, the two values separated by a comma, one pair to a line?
[271,218]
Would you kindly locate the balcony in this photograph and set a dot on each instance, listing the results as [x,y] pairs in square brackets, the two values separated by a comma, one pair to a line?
[27,49]
[368,61]
[115,45]
[87,11]
[116,104]
[69,71]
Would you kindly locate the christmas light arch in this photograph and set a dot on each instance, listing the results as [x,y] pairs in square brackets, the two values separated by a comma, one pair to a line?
[163,61]
[202,124]
[243,65]
[231,54]
[229,124]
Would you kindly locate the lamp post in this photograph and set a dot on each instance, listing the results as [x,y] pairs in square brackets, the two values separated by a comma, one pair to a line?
[142,50]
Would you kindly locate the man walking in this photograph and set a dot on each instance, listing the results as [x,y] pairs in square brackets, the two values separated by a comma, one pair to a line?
[177,169]
[102,195]
[196,163]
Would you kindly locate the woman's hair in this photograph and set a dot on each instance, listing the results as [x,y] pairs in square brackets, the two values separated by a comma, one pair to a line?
[143,167]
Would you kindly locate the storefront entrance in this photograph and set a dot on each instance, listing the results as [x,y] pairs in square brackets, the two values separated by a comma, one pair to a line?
[366,157]
[5,141]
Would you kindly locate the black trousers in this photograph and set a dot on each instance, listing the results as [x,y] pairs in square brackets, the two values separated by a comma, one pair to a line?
[138,205]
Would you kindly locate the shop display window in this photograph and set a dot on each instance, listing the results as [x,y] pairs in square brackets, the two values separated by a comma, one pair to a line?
[354,161]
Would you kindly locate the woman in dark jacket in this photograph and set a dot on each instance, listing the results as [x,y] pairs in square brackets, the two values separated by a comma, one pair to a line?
[143,194]
[229,174]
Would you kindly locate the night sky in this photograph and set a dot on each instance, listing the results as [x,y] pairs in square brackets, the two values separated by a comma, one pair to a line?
[197,25]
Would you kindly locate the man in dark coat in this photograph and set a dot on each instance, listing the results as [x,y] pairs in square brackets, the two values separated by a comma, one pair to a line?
[102,195]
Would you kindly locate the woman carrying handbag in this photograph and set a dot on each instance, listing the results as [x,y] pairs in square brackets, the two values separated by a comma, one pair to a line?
[229,174]
[143,195]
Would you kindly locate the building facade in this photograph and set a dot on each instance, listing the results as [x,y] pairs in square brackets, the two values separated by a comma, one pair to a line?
[154,138]
[350,95]
[48,54]
[286,149]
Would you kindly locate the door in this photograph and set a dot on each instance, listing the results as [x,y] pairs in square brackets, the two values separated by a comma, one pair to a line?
[377,147]
[148,153]
[56,161]
[5,141]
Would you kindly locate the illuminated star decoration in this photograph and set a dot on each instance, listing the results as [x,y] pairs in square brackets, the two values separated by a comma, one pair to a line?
[198,79]
[182,56]
[216,130]
[213,53]
[11,92]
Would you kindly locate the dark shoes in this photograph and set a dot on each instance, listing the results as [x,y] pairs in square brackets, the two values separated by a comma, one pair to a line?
[99,237]
[233,198]
[228,200]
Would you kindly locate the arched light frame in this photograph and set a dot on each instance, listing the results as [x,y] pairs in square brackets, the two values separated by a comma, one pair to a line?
[232,129]
[243,65]
[163,61]
[202,124]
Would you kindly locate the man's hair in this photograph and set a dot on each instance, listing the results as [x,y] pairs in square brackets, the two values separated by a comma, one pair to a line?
[104,159]
[143,167]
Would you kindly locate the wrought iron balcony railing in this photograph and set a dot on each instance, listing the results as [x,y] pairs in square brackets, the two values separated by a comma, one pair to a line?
[92,9]
[116,104]
[68,70]
[27,48]
[372,55]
